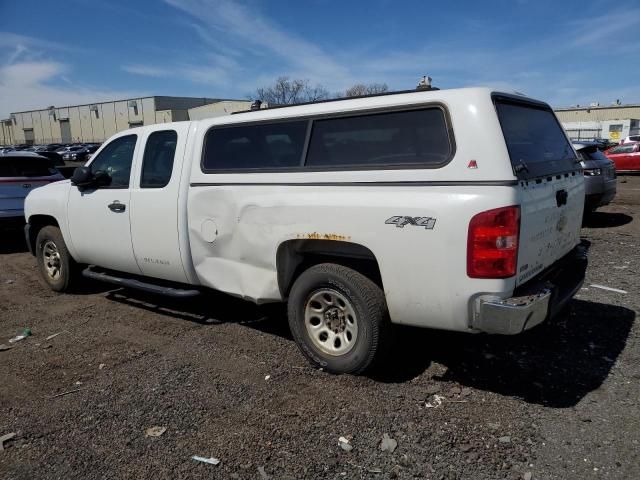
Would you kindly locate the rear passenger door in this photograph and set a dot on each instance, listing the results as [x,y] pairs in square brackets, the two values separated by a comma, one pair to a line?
[155,198]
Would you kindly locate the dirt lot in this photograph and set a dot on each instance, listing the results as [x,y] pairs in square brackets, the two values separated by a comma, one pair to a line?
[226,380]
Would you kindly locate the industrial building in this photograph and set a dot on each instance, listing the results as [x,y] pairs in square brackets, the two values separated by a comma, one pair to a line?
[611,122]
[98,121]
[218,109]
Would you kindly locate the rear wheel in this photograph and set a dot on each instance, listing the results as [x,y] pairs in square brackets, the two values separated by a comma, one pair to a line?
[338,317]
[54,261]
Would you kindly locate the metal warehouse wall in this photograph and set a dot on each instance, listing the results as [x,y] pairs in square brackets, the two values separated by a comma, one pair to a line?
[6,132]
[82,123]
[218,109]
[181,103]
[586,114]
[95,122]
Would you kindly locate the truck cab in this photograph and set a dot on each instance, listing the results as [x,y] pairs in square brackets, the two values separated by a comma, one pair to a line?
[450,209]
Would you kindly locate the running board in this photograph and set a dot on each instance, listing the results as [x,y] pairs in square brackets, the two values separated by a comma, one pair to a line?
[139,285]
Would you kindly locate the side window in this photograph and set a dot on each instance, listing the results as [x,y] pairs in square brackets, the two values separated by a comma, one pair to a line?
[415,137]
[249,147]
[115,160]
[157,164]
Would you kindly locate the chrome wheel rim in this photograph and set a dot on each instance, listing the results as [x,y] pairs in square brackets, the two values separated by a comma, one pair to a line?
[331,322]
[52,262]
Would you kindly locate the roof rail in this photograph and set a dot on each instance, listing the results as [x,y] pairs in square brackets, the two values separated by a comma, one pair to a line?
[397,92]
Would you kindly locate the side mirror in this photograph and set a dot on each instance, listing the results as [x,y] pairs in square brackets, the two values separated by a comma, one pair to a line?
[82,177]
[101,178]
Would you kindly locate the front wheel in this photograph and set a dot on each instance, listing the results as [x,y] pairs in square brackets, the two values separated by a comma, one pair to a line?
[54,261]
[338,318]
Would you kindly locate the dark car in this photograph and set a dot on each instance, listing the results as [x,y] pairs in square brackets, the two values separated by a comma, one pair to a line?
[21,172]
[80,154]
[55,157]
[75,153]
[599,175]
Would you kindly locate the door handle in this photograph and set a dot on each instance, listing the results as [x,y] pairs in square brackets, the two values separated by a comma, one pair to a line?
[116,206]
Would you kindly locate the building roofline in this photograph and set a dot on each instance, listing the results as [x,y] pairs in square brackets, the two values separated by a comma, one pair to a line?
[214,100]
[600,107]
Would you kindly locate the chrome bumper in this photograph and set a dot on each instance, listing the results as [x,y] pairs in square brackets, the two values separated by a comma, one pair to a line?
[534,302]
[512,315]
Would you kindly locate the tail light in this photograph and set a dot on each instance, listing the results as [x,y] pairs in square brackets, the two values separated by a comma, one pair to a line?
[492,244]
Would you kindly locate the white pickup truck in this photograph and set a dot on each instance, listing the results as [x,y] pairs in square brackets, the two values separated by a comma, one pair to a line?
[451,209]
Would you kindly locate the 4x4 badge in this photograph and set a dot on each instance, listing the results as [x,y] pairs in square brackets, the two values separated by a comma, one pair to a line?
[400,221]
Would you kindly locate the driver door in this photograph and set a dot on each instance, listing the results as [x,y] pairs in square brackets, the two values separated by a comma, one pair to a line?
[99,222]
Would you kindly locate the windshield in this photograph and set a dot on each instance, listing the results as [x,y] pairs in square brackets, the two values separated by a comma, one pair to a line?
[623,149]
[536,142]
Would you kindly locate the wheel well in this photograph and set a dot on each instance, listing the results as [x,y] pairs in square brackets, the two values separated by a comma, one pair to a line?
[37,223]
[295,256]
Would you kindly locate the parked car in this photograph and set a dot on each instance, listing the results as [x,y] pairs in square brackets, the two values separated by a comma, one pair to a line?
[49,147]
[447,198]
[67,147]
[630,139]
[80,154]
[56,158]
[599,174]
[626,157]
[603,143]
[76,153]
[21,173]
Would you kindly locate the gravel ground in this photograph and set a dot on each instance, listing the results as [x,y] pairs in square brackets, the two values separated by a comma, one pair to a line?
[225,380]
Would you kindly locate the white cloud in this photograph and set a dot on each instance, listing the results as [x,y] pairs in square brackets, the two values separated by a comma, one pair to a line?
[247,31]
[146,70]
[612,26]
[28,86]
[29,79]
[546,66]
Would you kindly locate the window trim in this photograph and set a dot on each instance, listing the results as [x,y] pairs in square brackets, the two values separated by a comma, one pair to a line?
[133,157]
[144,151]
[328,116]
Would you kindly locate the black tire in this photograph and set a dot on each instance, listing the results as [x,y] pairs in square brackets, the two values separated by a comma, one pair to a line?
[363,297]
[61,281]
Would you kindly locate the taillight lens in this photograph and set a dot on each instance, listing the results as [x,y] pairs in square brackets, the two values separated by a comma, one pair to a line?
[492,244]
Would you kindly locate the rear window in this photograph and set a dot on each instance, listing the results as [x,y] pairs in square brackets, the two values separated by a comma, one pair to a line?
[536,142]
[25,167]
[591,153]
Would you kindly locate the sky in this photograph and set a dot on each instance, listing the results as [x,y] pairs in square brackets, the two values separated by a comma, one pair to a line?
[71,52]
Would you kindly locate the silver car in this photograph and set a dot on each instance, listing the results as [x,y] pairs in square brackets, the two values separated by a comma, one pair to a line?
[21,172]
[599,175]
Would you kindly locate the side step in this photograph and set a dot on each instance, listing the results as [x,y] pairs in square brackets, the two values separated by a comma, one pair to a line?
[138,284]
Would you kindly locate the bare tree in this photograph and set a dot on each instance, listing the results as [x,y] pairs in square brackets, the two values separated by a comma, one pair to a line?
[362,89]
[287,92]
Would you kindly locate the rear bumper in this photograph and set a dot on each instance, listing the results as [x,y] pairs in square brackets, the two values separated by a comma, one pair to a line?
[534,302]
[596,200]
[599,191]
